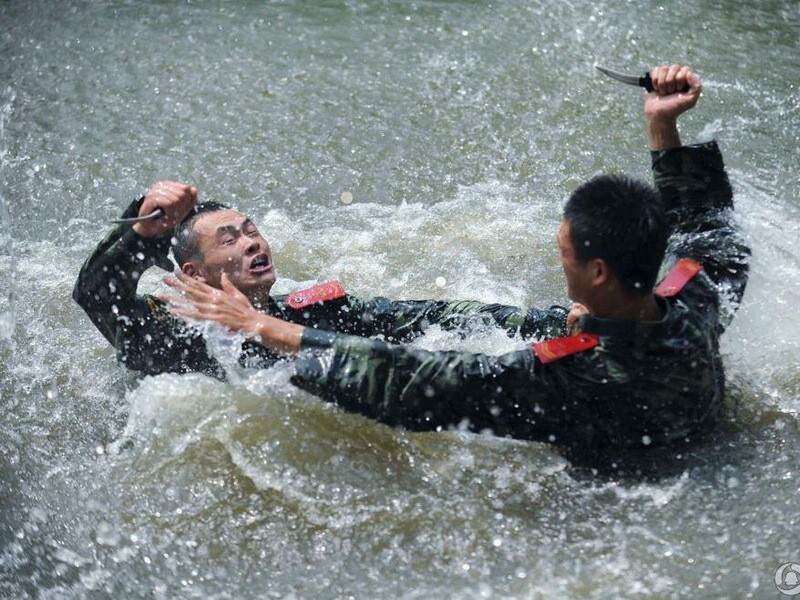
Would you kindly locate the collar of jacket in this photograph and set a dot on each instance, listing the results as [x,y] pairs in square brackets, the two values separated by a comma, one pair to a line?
[625,328]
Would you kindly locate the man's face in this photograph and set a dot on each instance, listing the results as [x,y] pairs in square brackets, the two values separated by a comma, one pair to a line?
[577,272]
[230,243]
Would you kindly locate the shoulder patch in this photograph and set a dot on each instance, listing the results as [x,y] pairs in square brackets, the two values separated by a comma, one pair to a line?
[681,274]
[330,290]
[157,308]
[552,350]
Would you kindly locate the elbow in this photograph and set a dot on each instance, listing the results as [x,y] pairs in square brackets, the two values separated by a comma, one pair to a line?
[89,297]
[80,293]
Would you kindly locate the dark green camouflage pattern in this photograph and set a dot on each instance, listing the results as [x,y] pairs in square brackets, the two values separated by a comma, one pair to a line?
[150,340]
[646,383]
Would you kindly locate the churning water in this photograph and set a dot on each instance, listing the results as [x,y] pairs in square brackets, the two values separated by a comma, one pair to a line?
[458,127]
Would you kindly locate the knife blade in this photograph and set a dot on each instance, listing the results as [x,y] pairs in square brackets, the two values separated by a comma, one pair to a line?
[643,81]
[156,214]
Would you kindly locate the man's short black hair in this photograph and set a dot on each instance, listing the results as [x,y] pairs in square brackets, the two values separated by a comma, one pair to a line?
[185,246]
[622,221]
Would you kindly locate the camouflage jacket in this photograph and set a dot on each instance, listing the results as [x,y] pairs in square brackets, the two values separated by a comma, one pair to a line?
[150,340]
[622,384]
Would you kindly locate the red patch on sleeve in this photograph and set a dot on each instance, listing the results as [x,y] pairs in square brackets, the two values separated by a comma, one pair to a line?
[678,277]
[552,350]
[330,290]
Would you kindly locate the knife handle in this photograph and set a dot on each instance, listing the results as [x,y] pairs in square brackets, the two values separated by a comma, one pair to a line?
[647,83]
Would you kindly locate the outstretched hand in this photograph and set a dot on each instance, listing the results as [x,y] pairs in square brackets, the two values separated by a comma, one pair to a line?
[230,308]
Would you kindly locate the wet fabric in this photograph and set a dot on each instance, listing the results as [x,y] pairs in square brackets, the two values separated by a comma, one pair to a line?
[644,384]
[149,339]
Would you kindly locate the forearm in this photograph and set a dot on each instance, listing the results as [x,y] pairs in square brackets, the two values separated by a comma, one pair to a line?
[662,133]
[277,335]
[415,388]
[693,185]
[401,320]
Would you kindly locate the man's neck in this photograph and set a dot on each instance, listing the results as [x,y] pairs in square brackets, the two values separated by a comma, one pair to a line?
[260,301]
[630,308]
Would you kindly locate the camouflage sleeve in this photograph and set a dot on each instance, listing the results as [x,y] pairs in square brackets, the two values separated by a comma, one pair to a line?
[106,285]
[146,336]
[699,201]
[423,390]
[400,321]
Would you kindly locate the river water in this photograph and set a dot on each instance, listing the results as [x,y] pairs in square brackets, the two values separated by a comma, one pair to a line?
[459,128]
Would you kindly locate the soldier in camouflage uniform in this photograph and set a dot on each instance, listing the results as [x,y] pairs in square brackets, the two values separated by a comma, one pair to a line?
[642,368]
[210,239]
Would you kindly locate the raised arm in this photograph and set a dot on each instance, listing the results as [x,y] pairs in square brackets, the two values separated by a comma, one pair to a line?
[107,282]
[695,188]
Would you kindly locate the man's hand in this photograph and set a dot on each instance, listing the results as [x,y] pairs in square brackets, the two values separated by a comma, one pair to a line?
[676,89]
[174,198]
[575,312]
[230,308]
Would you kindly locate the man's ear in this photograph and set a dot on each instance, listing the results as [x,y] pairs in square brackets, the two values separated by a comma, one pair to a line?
[601,273]
[191,270]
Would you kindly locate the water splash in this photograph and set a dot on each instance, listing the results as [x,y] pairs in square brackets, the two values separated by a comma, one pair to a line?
[7,318]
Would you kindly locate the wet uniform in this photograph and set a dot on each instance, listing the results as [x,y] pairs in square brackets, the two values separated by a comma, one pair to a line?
[617,385]
[150,340]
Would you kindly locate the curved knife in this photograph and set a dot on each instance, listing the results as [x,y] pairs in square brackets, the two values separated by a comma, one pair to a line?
[157,213]
[644,81]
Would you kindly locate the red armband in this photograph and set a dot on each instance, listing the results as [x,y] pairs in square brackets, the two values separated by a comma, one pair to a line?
[551,350]
[330,290]
[681,274]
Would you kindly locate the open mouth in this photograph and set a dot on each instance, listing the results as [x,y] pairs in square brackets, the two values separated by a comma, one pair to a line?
[260,264]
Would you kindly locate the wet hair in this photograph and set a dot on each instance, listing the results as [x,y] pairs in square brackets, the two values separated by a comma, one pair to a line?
[184,244]
[622,221]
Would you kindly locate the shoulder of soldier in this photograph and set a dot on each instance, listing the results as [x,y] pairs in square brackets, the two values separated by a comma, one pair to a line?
[678,277]
[314,295]
[557,348]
